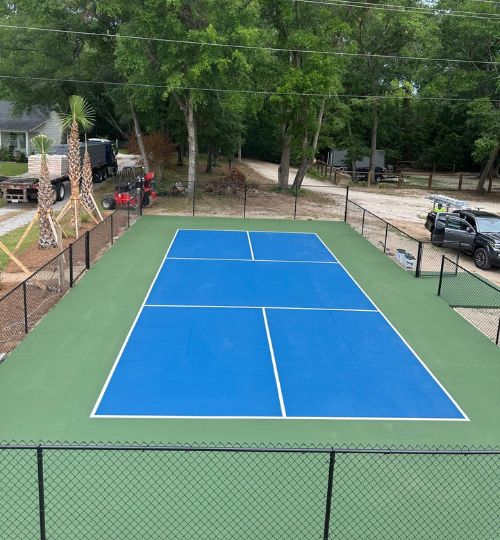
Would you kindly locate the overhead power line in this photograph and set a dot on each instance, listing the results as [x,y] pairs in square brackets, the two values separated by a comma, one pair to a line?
[247,47]
[231,90]
[405,9]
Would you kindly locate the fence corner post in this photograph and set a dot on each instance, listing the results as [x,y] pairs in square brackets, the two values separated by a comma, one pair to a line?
[386,232]
[71,277]
[346,202]
[429,184]
[296,196]
[329,492]
[41,493]
[418,270]
[441,272]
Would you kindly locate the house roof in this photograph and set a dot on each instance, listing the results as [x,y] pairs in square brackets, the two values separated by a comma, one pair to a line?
[27,121]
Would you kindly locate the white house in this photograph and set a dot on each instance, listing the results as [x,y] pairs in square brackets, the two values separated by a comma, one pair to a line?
[16,131]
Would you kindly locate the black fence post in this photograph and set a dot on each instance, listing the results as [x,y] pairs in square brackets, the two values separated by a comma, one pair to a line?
[111,226]
[329,492]
[441,276]
[71,278]
[295,207]
[418,270]
[498,332]
[245,202]
[346,202]
[87,250]
[141,195]
[385,239]
[41,493]
[25,302]
[128,213]
[363,222]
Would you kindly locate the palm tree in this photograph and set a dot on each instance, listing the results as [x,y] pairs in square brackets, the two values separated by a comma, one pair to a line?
[87,194]
[48,236]
[81,116]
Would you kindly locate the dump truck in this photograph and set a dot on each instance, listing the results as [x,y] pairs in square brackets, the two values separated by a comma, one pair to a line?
[23,188]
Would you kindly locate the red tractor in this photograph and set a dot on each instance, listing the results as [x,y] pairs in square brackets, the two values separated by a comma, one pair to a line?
[128,193]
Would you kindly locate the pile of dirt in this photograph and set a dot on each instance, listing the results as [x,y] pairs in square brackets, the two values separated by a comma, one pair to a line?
[227,185]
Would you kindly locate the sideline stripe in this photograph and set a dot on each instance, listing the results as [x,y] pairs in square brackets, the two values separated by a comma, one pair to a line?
[465,417]
[275,367]
[122,349]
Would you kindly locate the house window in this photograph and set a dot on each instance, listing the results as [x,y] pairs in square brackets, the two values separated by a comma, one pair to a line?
[13,140]
[21,142]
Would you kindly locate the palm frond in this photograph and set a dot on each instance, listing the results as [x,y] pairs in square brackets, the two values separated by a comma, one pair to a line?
[80,112]
[42,144]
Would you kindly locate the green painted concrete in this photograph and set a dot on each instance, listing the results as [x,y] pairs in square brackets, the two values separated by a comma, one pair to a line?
[50,383]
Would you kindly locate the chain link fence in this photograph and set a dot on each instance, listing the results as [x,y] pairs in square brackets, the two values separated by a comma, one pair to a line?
[208,493]
[23,307]
[477,300]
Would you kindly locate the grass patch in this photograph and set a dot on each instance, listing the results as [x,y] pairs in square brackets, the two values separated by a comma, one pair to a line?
[12,168]
[11,238]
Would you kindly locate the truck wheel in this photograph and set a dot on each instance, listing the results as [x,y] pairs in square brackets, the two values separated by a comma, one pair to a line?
[108,203]
[482,259]
[60,191]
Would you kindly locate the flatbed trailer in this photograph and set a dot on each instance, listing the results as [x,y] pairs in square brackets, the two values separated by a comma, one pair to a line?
[24,188]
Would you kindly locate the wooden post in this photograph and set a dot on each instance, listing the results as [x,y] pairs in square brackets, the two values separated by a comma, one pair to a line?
[429,185]
[13,258]
[460,181]
[335,179]
[400,180]
[490,180]
[331,168]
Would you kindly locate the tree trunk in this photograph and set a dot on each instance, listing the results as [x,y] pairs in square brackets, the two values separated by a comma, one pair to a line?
[304,164]
[373,146]
[307,160]
[187,108]
[286,148]
[178,148]
[209,168]
[239,150]
[138,134]
[488,167]
[45,198]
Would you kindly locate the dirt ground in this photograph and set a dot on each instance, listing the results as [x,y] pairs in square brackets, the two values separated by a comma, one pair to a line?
[405,208]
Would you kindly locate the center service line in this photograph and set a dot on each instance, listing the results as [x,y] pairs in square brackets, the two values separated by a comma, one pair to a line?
[275,367]
[250,244]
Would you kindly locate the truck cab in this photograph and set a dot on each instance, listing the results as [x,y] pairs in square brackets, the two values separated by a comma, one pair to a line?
[470,231]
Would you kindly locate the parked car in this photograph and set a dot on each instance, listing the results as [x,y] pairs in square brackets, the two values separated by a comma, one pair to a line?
[470,231]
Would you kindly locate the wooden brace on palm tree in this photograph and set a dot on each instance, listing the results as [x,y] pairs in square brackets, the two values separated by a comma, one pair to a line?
[48,237]
[81,116]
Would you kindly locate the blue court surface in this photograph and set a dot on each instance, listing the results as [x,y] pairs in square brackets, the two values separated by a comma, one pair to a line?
[242,324]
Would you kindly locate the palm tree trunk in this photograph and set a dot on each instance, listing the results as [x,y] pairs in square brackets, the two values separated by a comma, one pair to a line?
[47,239]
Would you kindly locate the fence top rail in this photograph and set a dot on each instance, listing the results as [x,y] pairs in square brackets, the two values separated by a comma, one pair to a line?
[250,449]
[479,278]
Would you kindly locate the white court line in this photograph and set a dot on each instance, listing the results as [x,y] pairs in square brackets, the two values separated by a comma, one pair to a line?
[250,244]
[244,230]
[197,306]
[275,367]
[104,388]
[248,260]
[466,418]
[287,418]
